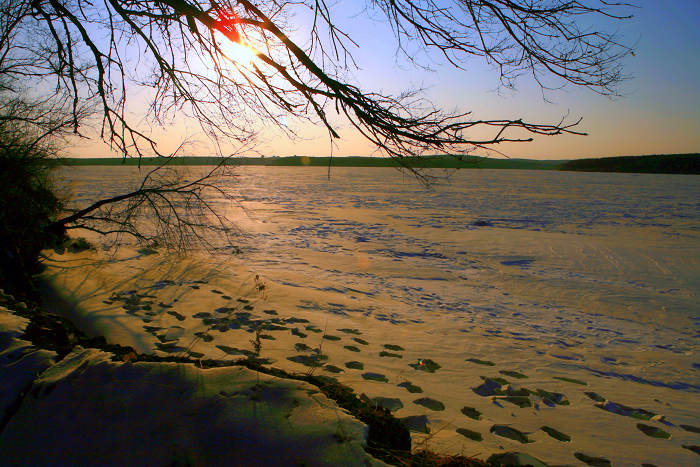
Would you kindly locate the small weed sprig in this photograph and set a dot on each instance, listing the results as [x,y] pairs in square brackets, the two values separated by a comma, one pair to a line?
[256,342]
[317,353]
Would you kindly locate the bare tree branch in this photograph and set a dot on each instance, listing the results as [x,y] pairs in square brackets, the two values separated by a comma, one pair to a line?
[177,57]
[91,48]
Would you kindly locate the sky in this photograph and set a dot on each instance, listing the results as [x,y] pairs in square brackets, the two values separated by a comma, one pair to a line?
[657,113]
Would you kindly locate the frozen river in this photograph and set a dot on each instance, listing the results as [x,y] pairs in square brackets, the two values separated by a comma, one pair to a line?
[593,278]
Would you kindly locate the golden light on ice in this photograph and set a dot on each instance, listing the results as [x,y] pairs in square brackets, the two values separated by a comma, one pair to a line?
[363,261]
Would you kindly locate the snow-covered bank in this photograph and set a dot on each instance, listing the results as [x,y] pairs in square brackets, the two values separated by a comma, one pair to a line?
[87,409]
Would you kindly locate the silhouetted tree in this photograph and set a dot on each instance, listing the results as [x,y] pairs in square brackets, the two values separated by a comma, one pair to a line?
[28,132]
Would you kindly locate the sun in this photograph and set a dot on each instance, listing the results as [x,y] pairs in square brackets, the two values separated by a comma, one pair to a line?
[238,52]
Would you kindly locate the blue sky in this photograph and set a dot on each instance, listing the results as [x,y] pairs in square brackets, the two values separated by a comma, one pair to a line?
[658,112]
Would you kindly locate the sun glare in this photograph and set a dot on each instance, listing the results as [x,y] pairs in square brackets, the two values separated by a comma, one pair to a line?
[238,52]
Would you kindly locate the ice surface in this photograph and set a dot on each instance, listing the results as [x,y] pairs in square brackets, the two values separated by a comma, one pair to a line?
[565,278]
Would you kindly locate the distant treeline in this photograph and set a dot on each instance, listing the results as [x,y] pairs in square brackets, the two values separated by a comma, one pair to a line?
[671,163]
[659,164]
[451,162]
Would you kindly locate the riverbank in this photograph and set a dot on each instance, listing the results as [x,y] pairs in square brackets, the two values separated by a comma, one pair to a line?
[91,407]
[423,162]
[70,398]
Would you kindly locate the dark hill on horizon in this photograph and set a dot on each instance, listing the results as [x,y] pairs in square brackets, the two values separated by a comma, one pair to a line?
[671,163]
[656,164]
[446,161]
